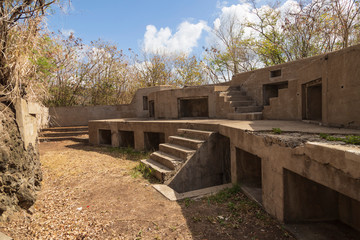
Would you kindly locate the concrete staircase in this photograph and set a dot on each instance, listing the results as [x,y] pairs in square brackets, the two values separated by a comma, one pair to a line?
[243,106]
[78,134]
[166,162]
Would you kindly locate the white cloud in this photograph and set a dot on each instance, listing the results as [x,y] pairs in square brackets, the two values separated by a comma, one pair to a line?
[182,41]
[245,12]
[67,32]
[67,7]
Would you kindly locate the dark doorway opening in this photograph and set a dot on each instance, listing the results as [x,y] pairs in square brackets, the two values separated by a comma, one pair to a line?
[126,139]
[249,173]
[104,137]
[145,103]
[151,109]
[320,210]
[223,145]
[312,100]
[193,107]
[272,91]
[152,140]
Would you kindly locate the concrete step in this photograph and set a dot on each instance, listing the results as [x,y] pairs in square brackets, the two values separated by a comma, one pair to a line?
[158,170]
[65,129]
[238,98]
[181,152]
[186,142]
[84,139]
[62,134]
[194,134]
[166,159]
[242,103]
[248,109]
[245,116]
[236,93]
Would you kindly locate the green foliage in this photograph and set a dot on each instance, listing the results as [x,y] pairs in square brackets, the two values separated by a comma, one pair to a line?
[129,153]
[225,194]
[277,130]
[350,139]
[187,202]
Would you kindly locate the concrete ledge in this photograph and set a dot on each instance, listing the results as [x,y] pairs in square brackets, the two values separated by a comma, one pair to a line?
[172,195]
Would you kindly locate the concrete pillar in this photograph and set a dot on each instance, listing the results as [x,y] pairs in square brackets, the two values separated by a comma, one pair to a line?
[139,140]
[234,176]
[114,135]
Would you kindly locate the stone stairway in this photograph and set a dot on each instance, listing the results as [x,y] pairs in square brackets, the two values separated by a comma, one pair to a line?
[78,134]
[243,106]
[171,156]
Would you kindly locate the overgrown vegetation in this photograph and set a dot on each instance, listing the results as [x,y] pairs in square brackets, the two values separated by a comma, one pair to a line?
[128,153]
[232,209]
[277,130]
[237,203]
[350,139]
[145,172]
[20,23]
[63,71]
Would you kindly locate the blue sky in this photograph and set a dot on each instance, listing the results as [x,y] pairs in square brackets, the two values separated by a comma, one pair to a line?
[139,23]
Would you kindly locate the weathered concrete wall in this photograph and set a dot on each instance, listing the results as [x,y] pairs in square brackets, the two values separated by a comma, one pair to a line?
[339,73]
[80,115]
[168,128]
[166,103]
[210,166]
[331,166]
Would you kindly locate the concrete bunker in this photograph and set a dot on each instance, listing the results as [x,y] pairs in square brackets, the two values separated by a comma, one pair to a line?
[193,107]
[306,201]
[312,100]
[126,139]
[249,173]
[272,91]
[152,140]
[104,137]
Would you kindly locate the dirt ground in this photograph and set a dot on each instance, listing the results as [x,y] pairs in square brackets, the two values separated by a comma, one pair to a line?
[94,193]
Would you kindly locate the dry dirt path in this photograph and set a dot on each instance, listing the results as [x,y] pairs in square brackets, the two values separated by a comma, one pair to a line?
[94,193]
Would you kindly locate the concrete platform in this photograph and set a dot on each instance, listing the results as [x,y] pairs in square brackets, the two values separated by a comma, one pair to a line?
[303,177]
[258,125]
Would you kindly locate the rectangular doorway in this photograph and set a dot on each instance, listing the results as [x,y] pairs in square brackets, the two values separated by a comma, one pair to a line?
[104,137]
[322,211]
[152,140]
[312,100]
[193,107]
[126,139]
[249,173]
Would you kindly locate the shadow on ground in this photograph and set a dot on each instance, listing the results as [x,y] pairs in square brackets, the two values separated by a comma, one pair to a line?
[230,215]
[127,153]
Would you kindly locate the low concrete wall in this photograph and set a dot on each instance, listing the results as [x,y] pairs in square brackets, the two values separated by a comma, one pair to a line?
[81,115]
